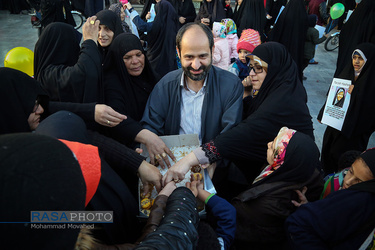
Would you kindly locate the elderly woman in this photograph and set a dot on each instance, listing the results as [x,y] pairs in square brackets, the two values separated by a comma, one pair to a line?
[280,101]
[359,122]
[128,81]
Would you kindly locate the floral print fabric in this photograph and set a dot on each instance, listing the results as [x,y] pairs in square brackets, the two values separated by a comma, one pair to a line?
[281,143]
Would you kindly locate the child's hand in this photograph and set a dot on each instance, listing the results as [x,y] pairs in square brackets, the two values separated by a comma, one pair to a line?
[193,186]
[301,196]
[168,189]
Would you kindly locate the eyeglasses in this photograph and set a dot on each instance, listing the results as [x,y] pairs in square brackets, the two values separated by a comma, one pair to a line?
[257,69]
[36,106]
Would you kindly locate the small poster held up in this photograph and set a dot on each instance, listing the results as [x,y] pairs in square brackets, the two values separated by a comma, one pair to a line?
[337,103]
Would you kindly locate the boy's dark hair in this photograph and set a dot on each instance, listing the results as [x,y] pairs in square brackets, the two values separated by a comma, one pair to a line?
[347,159]
[187,26]
[207,237]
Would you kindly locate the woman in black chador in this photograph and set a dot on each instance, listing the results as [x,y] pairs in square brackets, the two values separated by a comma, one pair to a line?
[339,98]
[359,121]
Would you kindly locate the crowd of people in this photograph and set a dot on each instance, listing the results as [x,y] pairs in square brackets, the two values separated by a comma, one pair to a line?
[70,136]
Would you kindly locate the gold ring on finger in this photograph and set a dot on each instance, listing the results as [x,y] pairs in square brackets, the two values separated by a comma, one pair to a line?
[109,123]
[157,157]
[164,155]
[92,22]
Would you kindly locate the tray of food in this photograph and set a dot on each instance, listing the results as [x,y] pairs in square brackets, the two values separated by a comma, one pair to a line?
[180,145]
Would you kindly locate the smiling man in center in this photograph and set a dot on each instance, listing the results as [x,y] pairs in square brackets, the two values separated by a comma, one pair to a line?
[199,98]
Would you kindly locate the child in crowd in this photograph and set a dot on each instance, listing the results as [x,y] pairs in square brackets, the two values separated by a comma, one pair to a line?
[221,50]
[223,215]
[312,39]
[231,31]
[352,171]
[344,219]
[246,44]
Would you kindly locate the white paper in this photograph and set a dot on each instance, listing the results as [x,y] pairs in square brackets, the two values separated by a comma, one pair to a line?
[152,12]
[321,30]
[337,103]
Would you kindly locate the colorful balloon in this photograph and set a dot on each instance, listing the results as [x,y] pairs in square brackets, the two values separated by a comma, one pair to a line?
[20,58]
[337,10]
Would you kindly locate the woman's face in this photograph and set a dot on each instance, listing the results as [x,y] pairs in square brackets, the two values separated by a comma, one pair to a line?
[357,173]
[34,117]
[271,151]
[340,95]
[105,36]
[257,78]
[134,62]
[122,15]
[358,62]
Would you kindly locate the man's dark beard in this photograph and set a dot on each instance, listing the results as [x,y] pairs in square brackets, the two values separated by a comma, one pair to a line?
[198,77]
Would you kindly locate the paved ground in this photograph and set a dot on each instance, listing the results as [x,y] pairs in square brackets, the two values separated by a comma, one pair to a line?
[16,30]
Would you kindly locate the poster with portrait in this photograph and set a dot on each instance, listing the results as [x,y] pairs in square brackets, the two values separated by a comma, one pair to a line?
[337,103]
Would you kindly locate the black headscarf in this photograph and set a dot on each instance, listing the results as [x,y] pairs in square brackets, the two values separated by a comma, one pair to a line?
[360,28]
[281,101]
[162,40]
[133,89]
[311,20]
[186,9]
[251,15]
[369,186]
[290,30]
[18,93]
[113,22]
[38,173]
[116,7]
[56,50]
[56,11]
[360,116]
[146,8]
[213,10]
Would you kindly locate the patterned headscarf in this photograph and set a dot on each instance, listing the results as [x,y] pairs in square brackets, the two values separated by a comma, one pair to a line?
[218,30]
[230,25]
[281,143]
[116,7]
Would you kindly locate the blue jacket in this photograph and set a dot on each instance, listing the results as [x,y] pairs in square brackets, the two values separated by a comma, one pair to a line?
[222,105]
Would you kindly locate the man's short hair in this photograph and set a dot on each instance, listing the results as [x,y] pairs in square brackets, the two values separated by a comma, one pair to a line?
[187,26]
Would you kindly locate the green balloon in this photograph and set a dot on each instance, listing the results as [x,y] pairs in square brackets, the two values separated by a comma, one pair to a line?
[337,10]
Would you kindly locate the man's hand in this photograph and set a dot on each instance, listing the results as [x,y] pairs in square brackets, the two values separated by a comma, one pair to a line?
[156,148]
[106,116]
[90,29]
[149,174]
